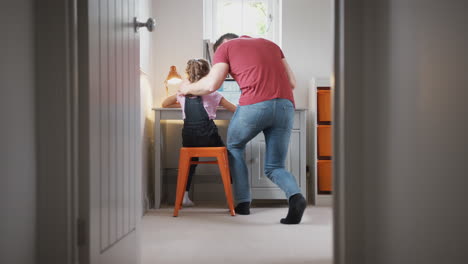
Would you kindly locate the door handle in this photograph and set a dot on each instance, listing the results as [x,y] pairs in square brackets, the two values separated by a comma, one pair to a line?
[149,24]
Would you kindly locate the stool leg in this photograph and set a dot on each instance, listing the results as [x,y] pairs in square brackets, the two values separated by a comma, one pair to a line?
[184,166]
[223,164]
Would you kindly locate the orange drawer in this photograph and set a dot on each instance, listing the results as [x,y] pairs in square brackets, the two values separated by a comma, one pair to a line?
[324,140]
[324,175]
[324,107]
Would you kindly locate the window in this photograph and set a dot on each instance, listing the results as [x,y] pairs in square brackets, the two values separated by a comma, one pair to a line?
[255,18]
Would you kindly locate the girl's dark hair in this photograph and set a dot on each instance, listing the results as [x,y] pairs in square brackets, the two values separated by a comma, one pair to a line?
[197,69]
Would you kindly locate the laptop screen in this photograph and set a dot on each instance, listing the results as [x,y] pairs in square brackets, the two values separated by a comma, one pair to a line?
[230,90]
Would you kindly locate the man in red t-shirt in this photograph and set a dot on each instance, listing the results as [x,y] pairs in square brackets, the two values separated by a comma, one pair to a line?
[266,105]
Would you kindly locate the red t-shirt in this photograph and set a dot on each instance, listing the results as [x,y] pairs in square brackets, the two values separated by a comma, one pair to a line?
[256,64]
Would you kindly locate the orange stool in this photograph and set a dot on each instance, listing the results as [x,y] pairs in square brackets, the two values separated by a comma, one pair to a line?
[185,160]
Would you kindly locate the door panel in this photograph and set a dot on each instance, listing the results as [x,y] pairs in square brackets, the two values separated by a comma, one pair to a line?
[292,162]
[114,157]
[294,158]
[258,178]
[116,99]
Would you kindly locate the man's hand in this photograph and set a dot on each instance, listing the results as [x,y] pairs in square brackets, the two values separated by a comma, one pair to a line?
[207,84]
[184,87]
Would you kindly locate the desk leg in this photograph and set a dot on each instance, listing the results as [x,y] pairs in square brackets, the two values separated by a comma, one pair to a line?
[157,160]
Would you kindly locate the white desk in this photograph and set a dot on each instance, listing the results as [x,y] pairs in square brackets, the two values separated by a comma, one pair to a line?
[261,187]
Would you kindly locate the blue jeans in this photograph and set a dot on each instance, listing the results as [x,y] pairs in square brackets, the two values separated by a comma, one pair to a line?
[275,119]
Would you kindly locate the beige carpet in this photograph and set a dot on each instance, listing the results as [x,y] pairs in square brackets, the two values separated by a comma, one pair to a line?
[207,235]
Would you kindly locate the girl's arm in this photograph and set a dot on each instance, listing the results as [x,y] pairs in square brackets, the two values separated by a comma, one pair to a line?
[170,101]
[228,105]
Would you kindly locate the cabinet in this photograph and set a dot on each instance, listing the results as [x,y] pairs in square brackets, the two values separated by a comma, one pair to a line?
[321,132]
[261,186]
[324,140]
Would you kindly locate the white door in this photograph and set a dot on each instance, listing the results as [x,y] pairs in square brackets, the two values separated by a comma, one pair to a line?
[110,141]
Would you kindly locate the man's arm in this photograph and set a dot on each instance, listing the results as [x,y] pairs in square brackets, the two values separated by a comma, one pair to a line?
[207,84]
[292,78]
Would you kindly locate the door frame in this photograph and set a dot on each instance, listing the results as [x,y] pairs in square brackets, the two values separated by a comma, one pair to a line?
[348,136]
[56,69]
[339,226]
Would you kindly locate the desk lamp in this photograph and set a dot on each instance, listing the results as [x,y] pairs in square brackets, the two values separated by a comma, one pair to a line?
[173,81]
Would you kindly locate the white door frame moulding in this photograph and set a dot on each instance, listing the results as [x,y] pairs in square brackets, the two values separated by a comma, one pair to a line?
[57,130]
[339,226]
[348,133]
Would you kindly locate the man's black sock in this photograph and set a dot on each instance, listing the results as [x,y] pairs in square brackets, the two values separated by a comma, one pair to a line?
[243,208]
[297,205]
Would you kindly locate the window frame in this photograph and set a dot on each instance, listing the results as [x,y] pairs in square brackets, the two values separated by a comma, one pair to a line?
[209,16]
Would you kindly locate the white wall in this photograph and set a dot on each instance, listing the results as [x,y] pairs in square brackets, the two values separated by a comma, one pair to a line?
[405,166]
[17,134]
[307,42]
[146,130]
[146,102]
[177,38]
[144,12]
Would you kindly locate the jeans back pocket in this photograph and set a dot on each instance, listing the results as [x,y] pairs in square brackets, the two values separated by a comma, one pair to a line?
[253,116]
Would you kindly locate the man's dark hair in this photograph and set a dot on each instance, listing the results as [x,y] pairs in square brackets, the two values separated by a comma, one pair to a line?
[221,39]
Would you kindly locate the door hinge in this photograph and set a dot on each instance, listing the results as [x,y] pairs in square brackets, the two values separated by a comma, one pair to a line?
[81,232]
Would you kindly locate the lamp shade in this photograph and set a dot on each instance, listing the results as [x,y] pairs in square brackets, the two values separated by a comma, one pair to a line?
[173,74]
